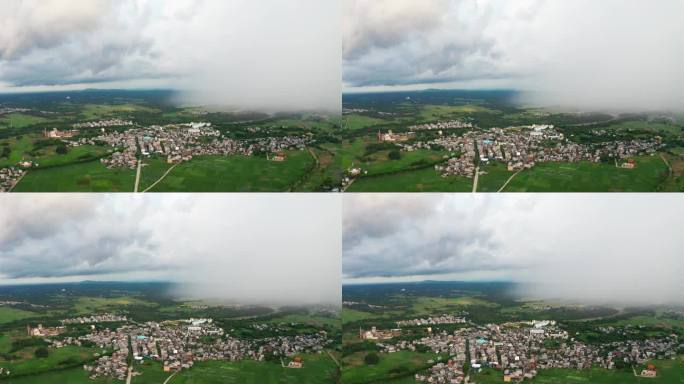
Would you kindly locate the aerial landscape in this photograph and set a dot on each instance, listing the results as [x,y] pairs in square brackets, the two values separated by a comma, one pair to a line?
[525,96]
[456,289]
[98,294]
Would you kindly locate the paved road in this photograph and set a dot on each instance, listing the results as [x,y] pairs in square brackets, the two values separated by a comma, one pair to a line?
[137,177]
[477,175]
[128,378]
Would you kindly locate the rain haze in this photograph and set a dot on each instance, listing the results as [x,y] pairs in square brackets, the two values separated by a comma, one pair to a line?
[238,248]
[595,55]
[272,55]
[612,248]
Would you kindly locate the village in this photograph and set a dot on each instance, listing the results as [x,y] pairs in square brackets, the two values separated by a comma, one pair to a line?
[520,349]
[177,344]
[182,142]
[523,147]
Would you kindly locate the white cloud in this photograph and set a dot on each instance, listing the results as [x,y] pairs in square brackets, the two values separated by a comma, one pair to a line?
[590,54]
[267,55]
[239,247]
[621,247]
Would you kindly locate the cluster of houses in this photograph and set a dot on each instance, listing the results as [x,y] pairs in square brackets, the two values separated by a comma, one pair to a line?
[9,177]
[93,319]
[55,133]
[379,334]
[178,344]
[392,137]
[182,142]
[41,331]
[103,124]
[432,320]
[523,147]
[451,124]
[520,349]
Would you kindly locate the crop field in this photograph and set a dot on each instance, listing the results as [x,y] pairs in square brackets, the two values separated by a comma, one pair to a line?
[421,180]
[8,314]
[398,364]
[86,305]
[76,375]
[80,177]
[236,174]
[591,177]
[101,111]
[20,120]
[58,357]
[354,122]
[318,369]
[437,112]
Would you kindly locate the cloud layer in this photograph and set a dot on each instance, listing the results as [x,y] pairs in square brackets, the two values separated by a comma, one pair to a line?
[596,55]
[244,248]
[267,55]
[588,247]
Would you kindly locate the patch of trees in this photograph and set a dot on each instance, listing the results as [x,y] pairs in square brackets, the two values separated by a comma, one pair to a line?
[41,352]
[371,358]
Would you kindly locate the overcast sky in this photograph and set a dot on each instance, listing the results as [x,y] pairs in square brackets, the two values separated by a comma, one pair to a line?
[617,54]
[244,247]
[622,247]
[267,54]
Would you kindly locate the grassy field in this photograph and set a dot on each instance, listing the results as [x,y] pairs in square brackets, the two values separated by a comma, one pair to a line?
[82,177]
[101,111]
[590,177]
[20,120]
[308,319]
[496,175]
[152,169]
[391,365]
[75,375]
[58,357]
[354,122]
[382,164]
[351,315]
[90,305]
[436,305]
[8,314]
[236,174]
[436,112]
[422,180]
[317,370]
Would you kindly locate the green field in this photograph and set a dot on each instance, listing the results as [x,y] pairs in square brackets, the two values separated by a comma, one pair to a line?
[591,177]
[101,111]
[236,174]
[354,122]
[58,358]
[20,120]
[75,375]
[439,112]
[669,371]
[90,305]
[8,314]
[152,169]
[398,364]
[422,180]
[352,315]
[82,177]
[318,369]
